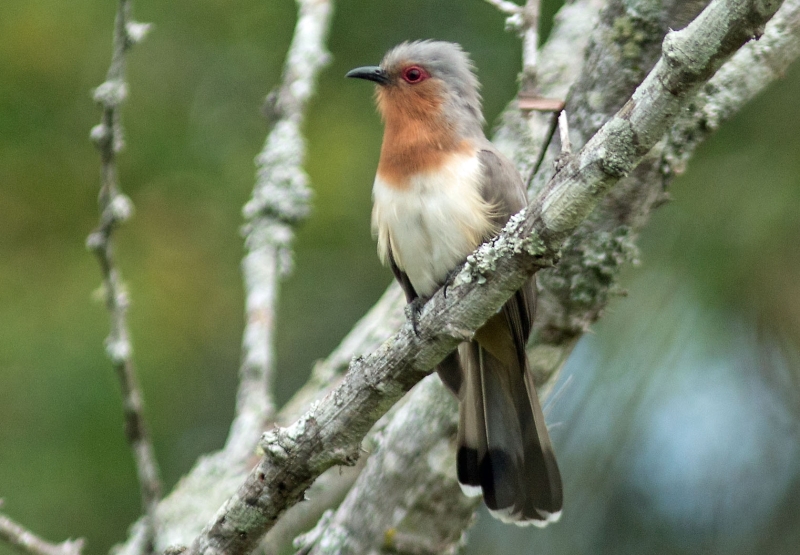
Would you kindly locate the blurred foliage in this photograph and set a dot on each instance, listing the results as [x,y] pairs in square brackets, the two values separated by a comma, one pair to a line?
[193,128]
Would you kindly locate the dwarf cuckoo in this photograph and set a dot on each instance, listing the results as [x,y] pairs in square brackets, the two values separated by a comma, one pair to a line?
[440,191]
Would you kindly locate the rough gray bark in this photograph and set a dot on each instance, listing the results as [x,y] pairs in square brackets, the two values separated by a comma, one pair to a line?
[406,500]
[331,431]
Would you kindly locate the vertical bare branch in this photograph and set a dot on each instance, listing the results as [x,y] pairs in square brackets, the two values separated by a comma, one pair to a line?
[115,209]
[530,40]
[525,21]
[279,202]
[29,543]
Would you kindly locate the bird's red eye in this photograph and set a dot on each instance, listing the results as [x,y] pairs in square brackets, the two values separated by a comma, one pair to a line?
[414,74]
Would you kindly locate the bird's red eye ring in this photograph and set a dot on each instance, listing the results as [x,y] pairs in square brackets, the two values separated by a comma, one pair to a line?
[414,75]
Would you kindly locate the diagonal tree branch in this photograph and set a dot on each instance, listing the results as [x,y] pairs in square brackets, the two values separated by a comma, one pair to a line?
[330,432]
[739,81]
[407,499]
[115,209]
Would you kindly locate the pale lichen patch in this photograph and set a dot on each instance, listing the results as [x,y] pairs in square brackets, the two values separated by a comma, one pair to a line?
[483,261]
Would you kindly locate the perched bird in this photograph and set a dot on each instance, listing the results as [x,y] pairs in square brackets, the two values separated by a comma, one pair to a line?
[441,190]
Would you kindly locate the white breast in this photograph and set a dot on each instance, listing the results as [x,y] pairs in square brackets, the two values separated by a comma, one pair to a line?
[434,223]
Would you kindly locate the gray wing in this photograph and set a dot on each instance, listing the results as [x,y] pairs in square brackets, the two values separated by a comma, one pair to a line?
[502,185]
[503,189]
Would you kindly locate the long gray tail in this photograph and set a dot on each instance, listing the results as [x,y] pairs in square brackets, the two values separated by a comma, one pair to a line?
[504,449]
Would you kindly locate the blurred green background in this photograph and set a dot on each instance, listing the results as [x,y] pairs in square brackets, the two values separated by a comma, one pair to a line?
[704,342]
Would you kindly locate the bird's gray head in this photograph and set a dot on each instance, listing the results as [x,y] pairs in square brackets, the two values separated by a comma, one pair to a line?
[428,79]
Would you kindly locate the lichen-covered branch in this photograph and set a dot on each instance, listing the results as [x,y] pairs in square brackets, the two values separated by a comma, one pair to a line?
[331,431]
[279,202]
[30,544]
[331,487]
[740,80]
[115,209]
[406,500]
[626,43]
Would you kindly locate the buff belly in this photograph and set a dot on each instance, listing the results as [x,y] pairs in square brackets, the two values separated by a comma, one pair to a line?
[432,221]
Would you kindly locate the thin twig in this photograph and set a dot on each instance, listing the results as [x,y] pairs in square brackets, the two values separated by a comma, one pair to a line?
[31,544]
[563,132]
[530,41]
[566,145]
[525,21]
[115,209]
[508,8]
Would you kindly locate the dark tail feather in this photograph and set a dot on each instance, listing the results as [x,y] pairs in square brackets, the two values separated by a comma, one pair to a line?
[449,371]
[504,447]
[471,424]
[543,466]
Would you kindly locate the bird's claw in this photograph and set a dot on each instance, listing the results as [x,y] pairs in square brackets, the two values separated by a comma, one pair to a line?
[413,310]
[450,278]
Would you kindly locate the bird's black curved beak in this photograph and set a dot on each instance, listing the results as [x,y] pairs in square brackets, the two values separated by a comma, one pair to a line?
[370,73]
